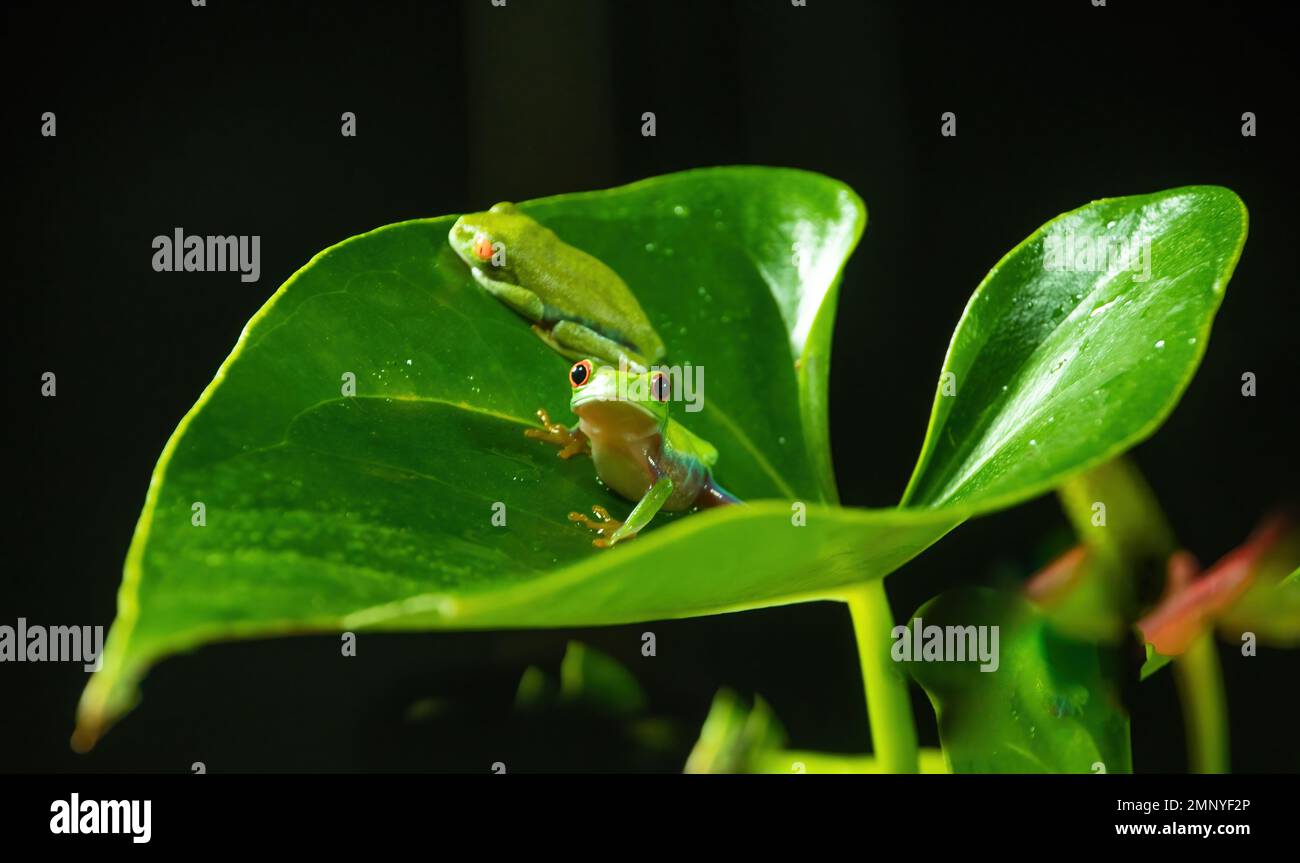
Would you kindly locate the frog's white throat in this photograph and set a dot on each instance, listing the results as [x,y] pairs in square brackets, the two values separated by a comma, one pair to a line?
[611,422]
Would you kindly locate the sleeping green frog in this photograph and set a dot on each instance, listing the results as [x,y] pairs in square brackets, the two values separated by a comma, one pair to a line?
[639,451]
[578,305]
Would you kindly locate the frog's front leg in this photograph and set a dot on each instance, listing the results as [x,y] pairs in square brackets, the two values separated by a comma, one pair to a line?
[522,300]
[571,441]
[578,342]
[641,515]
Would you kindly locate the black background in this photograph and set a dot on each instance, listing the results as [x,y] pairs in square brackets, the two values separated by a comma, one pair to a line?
[225,119]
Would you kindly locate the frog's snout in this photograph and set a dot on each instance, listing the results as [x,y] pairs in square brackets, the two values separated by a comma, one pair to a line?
[461,234]
[470,242]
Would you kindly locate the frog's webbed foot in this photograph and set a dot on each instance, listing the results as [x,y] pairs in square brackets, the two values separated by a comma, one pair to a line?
[604,524]
[570,441]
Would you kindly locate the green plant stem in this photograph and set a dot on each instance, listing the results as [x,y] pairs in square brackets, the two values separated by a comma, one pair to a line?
[889,706]
[1205,708]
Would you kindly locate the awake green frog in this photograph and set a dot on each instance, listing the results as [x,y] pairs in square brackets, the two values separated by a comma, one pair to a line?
[578,305]
[639,451]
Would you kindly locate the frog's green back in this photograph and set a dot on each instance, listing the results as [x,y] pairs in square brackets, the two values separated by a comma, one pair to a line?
[576,286]
[687,442]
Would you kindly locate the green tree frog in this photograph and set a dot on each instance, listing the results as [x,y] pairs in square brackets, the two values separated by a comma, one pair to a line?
[639,451]
[578,305]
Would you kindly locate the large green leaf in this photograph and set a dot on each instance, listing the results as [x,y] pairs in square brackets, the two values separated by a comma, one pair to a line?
[1047,705]
[1058,365]
[374,511]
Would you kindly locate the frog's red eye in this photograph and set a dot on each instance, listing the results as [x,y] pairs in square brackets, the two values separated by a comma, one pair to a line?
[482,247]
[659,387]
[580,373]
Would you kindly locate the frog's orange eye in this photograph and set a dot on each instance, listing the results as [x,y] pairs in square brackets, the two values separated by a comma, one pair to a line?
[659,387]
[482,247]
[580,373]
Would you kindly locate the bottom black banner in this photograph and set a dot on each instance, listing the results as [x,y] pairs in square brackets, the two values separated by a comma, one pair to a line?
[336,813]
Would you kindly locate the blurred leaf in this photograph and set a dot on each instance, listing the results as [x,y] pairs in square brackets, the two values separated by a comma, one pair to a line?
[1194,602]
[535,690]
[1047,708]
[1154,662]
[1077,593]
[1270,607]
[1129,520]
[738,737]
[735,735]
[590,677]
[1091,593]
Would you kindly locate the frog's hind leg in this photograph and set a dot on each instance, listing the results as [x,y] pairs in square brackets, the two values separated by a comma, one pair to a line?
[603,525]
[544,334]
[578,342]
[641,515]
